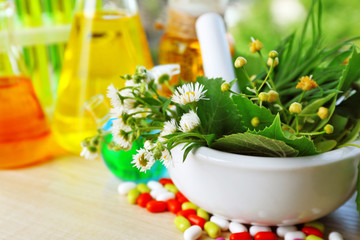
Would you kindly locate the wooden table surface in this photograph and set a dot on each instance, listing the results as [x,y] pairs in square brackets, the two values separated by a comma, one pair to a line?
[73,198]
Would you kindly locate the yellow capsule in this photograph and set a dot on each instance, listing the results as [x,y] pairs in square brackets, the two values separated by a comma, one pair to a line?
[313,237]
[317,225]
[171,188]
[182,223]
[133,194]
[255,121]
[143,188]
[295,107]
[212,229]
[189,205]
[202,213]
[323,112]
[329,129]
[240,62]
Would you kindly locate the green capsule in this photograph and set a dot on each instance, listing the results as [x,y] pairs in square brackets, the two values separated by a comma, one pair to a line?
[182,223]
[313,237]
[317,225]
[171,188]
[212,229]
[133,194]
[189,205]
[202,213]
[143,188]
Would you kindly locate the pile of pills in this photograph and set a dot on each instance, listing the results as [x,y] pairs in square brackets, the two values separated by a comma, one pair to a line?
[163,196]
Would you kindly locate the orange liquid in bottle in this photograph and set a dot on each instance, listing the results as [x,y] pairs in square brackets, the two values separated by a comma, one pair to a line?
[25,136]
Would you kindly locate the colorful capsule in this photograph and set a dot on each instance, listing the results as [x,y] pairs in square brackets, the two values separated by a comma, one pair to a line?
[202,213]
[196,220]
[255,229]
[192,233]
[313,237]
[143,188]
[171,188]
[132,195]
[143,199]
[186,213]
[294,235]
[164,196]
[156,206]
[212,229]
[154,185]
[317,225]
[335,236]
[236,227]
[125,187]
[182,223]
[281,231]
[312,231]
[165,181]
[265,236]
[173,205]
[240,236]
[180,197]
[222,223]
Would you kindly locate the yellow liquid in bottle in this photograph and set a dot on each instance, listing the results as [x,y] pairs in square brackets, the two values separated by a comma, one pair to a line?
[185,52]
[102,47]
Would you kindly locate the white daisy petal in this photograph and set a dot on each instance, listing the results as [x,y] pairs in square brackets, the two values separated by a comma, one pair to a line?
[160,71]
[113,94]
[88,154]
[189,93]
[189,121]
[169,128]
[166,158]
[143,160]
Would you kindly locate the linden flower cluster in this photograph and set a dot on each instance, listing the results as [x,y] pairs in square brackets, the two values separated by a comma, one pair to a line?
[139,112]
[306,83]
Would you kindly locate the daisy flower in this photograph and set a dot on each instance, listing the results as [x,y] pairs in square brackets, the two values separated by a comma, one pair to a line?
[169,128]
[166,158]
[87,154]
[113,94]
[188,93]
[189,121]
[128,102]
[117,128]
[164,72]
[143,160]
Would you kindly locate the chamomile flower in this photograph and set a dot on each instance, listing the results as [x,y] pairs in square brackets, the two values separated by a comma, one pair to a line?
[188,93]
[164,73]
[143,160]
[113,94]
[89,153]
[118,131]
[148,145]
[189,121]
[307,83]
[128,102]
[169,128]
[166,158]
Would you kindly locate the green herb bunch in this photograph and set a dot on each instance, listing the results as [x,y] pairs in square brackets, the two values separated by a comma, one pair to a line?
[303,103]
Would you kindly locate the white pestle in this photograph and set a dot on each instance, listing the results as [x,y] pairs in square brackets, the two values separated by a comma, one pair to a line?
[215,51]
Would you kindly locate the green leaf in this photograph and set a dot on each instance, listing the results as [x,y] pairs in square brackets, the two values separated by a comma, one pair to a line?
[248,110]
[352,71]
[218,113]
[190,147]
[325,146]
[255,145]
[304,145]
[349,108]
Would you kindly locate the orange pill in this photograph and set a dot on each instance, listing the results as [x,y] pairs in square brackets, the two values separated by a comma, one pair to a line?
[156,206]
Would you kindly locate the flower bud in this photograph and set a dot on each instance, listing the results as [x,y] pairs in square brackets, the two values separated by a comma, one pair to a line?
[255,46]
[273,54]
[323,112]
[272,62]
[240,62]
[329,129]
[255,122]
[225,87]
[263,96]
[273,96]
[295,107]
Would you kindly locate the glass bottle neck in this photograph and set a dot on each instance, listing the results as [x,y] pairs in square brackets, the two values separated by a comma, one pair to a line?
[91,6]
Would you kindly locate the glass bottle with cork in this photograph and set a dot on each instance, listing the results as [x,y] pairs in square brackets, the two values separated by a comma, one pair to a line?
[107,41]
[25,136]
[179,43]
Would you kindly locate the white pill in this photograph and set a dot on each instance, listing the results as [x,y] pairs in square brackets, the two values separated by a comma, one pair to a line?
[156,192]
[236,227]
[154,185]
[193,232]
[125,187]
[335,236]
[164,196]
[221,222]
[255,229]
[294,235]
[281,231]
